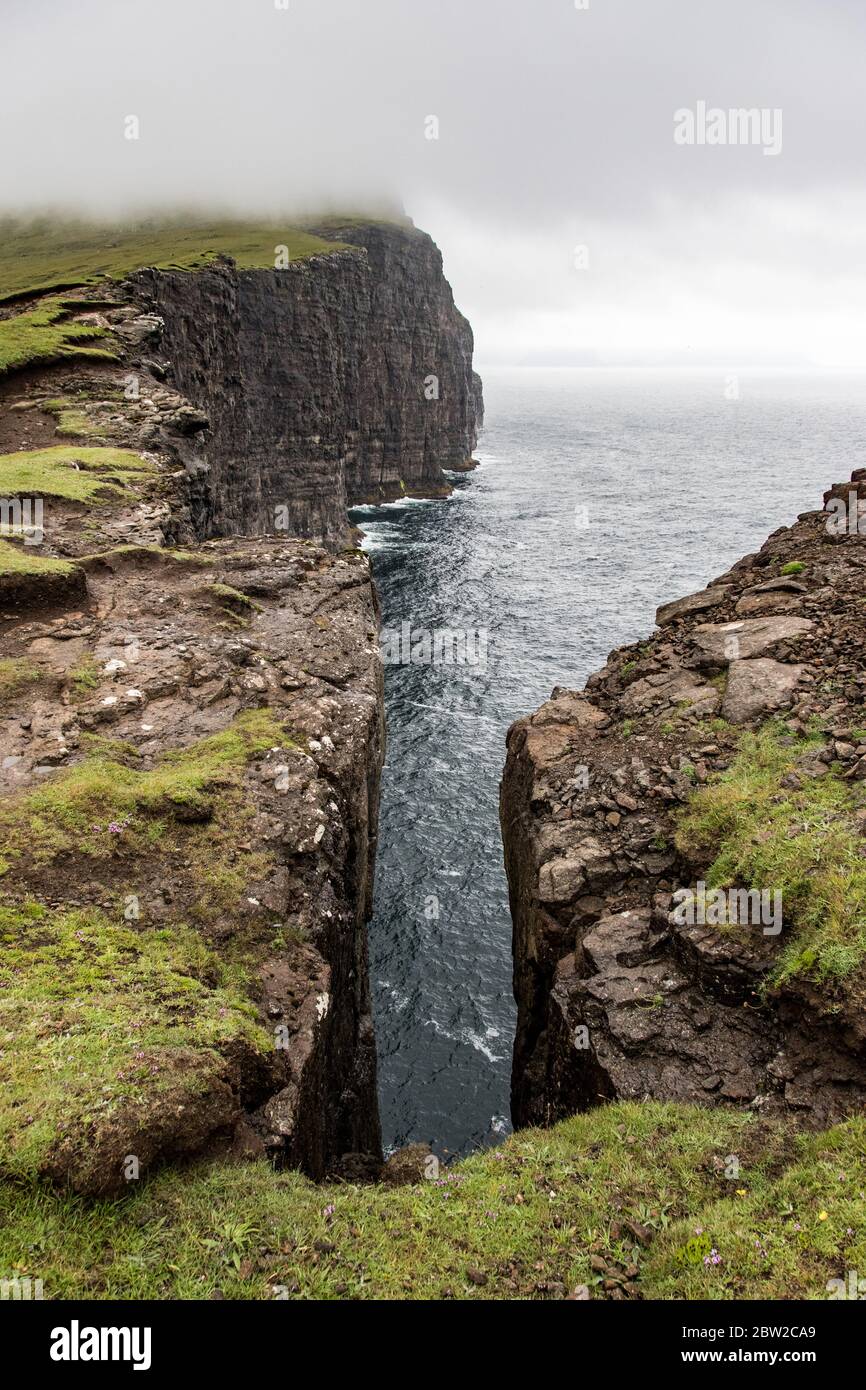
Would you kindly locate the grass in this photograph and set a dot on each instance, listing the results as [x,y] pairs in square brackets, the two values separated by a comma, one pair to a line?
[94,1017]
[113,1022]
[160,552]
[74,812]
[84,677]
[793,567]
[713,728]
[77,474]
[16,674]
[45,334]
[49,254]
[19,561]
[803,841]
[231,596]
[71,421]
[610,1200]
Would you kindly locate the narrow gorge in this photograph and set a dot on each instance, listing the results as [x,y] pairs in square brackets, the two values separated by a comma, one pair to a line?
[192,708]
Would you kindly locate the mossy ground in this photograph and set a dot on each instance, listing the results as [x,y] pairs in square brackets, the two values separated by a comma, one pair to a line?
[103,1006]
[18,674]
[72,422]
[76,474]
[21,561]
[92,1014]
[804,841]
[47,334]
[73,812]
[161,554]
[51,254]
[639,1188]
[228,594]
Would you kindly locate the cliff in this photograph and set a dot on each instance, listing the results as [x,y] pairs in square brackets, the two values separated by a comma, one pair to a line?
[727,752]
[341,379]
[190,685]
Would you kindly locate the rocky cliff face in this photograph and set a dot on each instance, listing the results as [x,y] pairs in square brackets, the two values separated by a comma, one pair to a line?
[192,740]
[191,700]
[342,379]
[618,997]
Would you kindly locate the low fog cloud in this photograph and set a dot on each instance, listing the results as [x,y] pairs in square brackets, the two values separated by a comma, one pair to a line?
[533,138]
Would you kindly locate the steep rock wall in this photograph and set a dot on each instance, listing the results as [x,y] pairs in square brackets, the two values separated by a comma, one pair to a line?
[616,998]
[342,379]
[198,732]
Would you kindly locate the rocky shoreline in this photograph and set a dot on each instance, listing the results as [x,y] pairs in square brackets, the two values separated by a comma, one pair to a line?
[617,999]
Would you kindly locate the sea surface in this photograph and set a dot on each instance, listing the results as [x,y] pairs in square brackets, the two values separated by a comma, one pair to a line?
[601,494]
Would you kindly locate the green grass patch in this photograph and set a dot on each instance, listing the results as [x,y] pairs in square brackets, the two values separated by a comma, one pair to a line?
[17,674]
[179,557]
[83,677]
[77,474]
[46,334]
[19,561]
[50,254]
[803,841]
[776,1236]
[71,420]
[101,806]
[233,597]
[525,1220]
[93,1015]
[793,567]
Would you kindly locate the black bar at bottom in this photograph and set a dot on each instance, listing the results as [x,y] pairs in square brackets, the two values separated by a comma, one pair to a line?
[81,1339]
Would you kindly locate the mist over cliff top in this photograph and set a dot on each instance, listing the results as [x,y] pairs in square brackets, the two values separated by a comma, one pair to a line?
[516,133]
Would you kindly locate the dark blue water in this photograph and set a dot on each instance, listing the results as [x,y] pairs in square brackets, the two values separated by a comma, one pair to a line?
[600,495]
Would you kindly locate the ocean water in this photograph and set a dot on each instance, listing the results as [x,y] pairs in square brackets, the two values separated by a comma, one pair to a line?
[600,495]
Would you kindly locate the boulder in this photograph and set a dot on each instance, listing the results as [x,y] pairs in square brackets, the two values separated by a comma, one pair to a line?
[719,643]
[692,603]
[409,1165]
[758,687]
[587,865]
[672,687]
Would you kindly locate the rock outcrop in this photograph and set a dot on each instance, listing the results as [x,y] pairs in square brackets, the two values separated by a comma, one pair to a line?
[339,380]
[617,997]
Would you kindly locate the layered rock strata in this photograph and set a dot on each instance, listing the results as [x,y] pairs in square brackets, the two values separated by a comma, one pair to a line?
[341,379]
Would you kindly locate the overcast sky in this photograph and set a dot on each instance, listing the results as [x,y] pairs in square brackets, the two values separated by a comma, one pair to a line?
[555,132]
